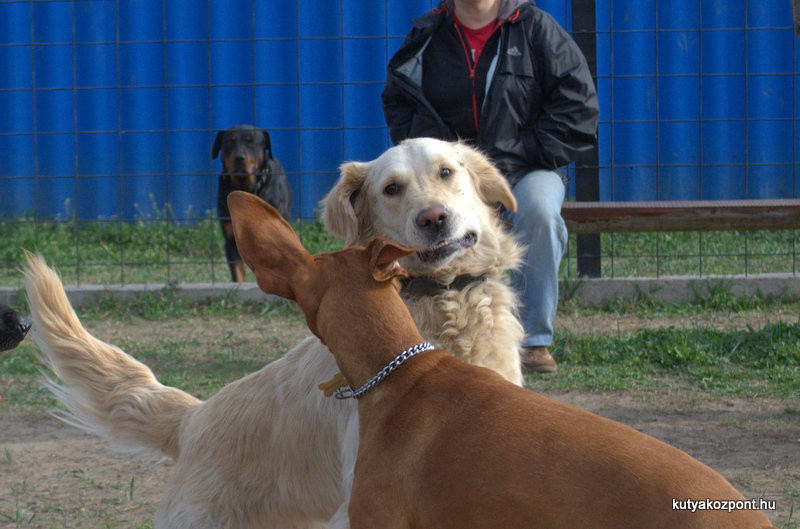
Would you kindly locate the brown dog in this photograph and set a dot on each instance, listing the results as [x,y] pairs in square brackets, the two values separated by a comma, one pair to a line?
[448,445]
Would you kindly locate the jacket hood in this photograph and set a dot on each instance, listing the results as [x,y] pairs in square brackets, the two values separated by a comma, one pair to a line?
[507,12]
[507,7]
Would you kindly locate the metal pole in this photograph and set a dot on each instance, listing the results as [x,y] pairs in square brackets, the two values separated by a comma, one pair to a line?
[587,181]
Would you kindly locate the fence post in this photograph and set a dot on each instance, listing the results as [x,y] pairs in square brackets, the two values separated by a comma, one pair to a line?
[587,182]
[796,16]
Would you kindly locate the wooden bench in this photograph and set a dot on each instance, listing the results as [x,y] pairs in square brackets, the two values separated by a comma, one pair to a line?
[697,215]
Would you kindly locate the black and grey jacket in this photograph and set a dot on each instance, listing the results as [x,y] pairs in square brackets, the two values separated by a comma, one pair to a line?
[540,107]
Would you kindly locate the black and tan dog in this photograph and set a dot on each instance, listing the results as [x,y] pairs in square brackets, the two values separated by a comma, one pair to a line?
[13,328]
[247,165]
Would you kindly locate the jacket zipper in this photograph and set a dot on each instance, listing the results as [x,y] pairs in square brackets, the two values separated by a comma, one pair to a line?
[472,65]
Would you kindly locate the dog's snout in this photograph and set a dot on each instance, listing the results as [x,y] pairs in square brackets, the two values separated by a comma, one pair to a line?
[434,217]
[240,157]
[24,325]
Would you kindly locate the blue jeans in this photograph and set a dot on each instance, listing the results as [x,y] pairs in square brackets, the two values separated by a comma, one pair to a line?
[538,225]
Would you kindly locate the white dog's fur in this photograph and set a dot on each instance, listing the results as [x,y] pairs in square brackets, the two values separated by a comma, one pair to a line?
[478,323]
[269,450]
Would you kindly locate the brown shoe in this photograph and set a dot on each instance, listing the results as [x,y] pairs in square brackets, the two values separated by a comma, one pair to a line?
[538,360]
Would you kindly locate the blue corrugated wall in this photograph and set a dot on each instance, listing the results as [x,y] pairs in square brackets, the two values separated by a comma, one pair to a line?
[113,105]
[699,100]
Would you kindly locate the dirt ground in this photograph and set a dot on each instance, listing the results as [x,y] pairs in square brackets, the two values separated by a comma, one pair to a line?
[54,476]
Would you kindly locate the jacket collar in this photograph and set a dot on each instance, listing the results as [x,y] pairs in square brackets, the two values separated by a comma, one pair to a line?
[408,60]
[510,11]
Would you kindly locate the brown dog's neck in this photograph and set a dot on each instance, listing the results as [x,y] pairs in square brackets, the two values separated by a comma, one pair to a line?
[346,391]
[369,338]
[360,360]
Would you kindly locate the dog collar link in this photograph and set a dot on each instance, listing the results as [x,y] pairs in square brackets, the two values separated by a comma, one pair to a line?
[349,392]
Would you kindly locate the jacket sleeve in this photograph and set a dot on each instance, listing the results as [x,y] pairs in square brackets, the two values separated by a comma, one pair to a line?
[405,109]
[398,107]
[398,110]
[409,117]
[567,122]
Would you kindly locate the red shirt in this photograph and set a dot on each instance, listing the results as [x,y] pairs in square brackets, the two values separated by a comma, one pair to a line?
[456,85]
[476,38]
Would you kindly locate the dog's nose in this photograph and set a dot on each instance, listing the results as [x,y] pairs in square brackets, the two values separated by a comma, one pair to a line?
[240,157]
[433,217]
[24,325]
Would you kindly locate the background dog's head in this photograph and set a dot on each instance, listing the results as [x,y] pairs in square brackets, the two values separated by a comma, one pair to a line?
[436,197]
[245,151]
[13,327]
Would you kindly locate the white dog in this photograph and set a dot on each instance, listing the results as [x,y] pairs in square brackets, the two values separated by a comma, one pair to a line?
[270,450]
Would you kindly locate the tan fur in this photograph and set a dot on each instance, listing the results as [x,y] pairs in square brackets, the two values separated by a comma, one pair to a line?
[269,450]
[448,445]
[106,390]
[239,459]
[477,325]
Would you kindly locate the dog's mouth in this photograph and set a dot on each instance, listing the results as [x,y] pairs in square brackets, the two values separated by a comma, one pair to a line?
[242,179]
[447,248]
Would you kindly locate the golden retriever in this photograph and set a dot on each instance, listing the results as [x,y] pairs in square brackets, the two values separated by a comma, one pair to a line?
[270,450]
[394,196]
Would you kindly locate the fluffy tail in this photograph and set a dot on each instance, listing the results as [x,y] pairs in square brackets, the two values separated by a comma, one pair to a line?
[106,391]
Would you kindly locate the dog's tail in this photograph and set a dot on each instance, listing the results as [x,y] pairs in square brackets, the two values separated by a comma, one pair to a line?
[106,391]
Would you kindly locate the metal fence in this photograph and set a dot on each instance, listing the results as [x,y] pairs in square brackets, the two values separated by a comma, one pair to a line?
[112,107]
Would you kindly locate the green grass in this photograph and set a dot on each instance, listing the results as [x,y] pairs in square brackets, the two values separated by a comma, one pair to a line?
[750,361]
[763,361]
[163,249]
[157,250]
[693,253]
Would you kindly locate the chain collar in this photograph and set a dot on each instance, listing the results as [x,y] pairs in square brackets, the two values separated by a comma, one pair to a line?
[349,392]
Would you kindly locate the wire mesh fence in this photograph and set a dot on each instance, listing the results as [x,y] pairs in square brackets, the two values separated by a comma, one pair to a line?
[700,254]
[112,107]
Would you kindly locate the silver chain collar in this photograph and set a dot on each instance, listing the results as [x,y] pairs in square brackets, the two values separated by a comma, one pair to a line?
[349,392]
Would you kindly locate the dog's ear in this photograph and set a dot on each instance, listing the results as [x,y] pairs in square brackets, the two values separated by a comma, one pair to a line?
[338,206]
[269,246]
[491,185]
[383,256]
[217,144]
[267,144]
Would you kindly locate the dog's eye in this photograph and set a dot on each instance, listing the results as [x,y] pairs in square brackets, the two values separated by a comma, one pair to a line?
[444,172]
[391,189]
[249,139]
